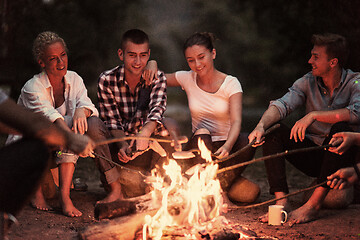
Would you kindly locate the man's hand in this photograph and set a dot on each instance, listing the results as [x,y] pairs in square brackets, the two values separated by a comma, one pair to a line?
[345,139]
[150,72]
[342,178]
[79,121]
[299,128]
[257,135]
[142,144]
[124,152]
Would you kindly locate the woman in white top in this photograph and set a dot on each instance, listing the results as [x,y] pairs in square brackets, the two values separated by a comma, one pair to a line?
[215,102]
[61,96]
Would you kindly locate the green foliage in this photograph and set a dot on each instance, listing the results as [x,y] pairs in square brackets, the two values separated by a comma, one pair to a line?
[91,29]
[266,44]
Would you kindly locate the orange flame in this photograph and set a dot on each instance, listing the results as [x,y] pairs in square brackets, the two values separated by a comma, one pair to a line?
[185,201]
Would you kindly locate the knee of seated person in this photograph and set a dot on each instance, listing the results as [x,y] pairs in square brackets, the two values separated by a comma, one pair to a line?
[66,157]
[277,135]
[96,127]
[338,199]
[244,191]
[335,199]
[340,127]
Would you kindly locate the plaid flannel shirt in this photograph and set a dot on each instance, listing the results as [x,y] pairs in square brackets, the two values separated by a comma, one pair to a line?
[119,108]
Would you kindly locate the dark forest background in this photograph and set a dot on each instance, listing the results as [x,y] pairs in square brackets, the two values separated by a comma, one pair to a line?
[266,44]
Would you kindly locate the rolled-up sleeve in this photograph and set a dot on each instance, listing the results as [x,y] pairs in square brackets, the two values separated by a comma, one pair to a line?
[158,99]
[294,98]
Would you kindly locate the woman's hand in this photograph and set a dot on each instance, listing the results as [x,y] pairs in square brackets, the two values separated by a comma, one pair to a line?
[80,121]
[222,152]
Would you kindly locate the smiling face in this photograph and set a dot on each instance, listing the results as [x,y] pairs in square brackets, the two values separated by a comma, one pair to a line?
[200,59]
[55,60]
[320,62]
[135,57]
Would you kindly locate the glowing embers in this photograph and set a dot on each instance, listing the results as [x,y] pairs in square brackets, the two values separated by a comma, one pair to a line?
[190,202]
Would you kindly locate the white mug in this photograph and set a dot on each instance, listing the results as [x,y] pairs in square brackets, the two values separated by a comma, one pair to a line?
[276,215]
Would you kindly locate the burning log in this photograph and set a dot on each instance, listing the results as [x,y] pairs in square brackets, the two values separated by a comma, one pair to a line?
[123,207]
[130,227]
[123,228]
[189,207]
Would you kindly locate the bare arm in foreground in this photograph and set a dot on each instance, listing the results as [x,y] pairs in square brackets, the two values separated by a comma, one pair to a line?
[16,119]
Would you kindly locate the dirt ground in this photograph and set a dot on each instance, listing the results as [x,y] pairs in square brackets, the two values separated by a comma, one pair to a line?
[332,224]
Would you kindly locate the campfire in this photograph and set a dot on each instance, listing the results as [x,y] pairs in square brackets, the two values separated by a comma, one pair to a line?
[180,206]
[190,202]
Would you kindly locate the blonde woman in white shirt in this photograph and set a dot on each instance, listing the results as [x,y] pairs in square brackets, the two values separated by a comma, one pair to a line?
[61,96]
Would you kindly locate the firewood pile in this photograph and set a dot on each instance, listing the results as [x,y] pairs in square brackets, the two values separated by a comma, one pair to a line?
[218,229]
[131,228]
[178,207]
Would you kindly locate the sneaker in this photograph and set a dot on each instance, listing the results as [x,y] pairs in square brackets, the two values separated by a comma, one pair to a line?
[6,219]
[80,185]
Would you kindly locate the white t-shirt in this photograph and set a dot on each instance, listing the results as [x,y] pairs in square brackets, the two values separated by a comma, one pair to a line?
[209,110]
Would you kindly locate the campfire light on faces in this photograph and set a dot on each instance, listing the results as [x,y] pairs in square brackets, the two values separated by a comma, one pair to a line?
[190,202]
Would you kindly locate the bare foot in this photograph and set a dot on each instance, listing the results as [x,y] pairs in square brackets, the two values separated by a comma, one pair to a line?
[39,202]
[69,209]
[111,197]
[303,214]
[115,194]
[265,218]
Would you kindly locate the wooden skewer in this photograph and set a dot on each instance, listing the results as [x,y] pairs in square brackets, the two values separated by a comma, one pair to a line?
[181,139]
[275,199]
[121,166]
[287,152]
[249,145]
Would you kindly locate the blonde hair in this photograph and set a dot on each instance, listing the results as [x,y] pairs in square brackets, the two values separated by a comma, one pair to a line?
[42,41]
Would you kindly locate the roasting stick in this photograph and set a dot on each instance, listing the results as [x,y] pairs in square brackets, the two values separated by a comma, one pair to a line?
[275,199]
[249,145]
[287,152]
[121,166]
[181,139]
[190,153]
[177,140]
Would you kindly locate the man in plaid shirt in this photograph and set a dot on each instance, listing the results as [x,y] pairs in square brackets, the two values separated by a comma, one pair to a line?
[129,106]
